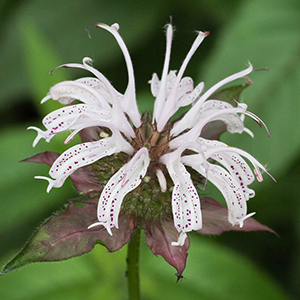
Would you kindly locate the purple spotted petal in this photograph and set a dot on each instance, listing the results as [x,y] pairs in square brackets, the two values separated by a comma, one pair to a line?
[84,179]
[185,199]
[232,120]
[233,162]
[184,88]
[82,155]
[119,185]
[192,95]
[69,118]
[159,238]
[226,184]
[98,86]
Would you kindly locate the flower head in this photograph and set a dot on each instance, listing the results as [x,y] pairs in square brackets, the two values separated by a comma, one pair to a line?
[149,168]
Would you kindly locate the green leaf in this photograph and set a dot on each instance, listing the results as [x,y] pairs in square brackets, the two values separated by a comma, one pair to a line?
[61,26]
[230,94]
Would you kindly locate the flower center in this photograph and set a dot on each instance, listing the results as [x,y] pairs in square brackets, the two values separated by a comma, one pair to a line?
[156,142]
[148,201]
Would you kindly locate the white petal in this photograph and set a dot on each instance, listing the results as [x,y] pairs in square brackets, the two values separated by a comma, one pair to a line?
[154,85]
[170,105]
[189,118]
[161,180]
[227,185]
[129,101]
[98,86]
[120,184]
[161,94]
[257,165]
[82,155]
[193,95]
[185,87]
[185,199]
[233,162]
[86,66]
[67,118]
[115,96]
[77,90]
[235,198]
[232,120]
[219,114]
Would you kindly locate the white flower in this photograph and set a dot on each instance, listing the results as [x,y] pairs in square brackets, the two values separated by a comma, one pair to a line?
[157,150]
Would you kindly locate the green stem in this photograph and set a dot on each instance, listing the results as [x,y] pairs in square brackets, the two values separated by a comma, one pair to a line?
[133,266]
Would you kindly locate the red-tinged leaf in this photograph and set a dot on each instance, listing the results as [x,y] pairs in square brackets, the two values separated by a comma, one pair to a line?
[47,157]
[85,181]
[159,238]
[90,134]
[65,235]
[213,130]
[84,178]
[215,220]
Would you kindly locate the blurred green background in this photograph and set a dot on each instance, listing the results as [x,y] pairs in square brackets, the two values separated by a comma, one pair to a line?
[38,35]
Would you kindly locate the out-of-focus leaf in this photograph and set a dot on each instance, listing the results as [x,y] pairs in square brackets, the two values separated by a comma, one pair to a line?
[94,276]
[66,235]
[40,58]
[63,24]
[24,201]
[266,33]
[213,272]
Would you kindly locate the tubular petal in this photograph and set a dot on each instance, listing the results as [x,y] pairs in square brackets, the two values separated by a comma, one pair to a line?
[161,94]
[120,184]
[228,186]
[185,199]
[227,115]
[190,116]
[129,105]
[69,118]
[171,101]
[82,155]
[77,90]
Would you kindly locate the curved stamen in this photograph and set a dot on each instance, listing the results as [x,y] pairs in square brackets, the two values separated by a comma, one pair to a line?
[259,121]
